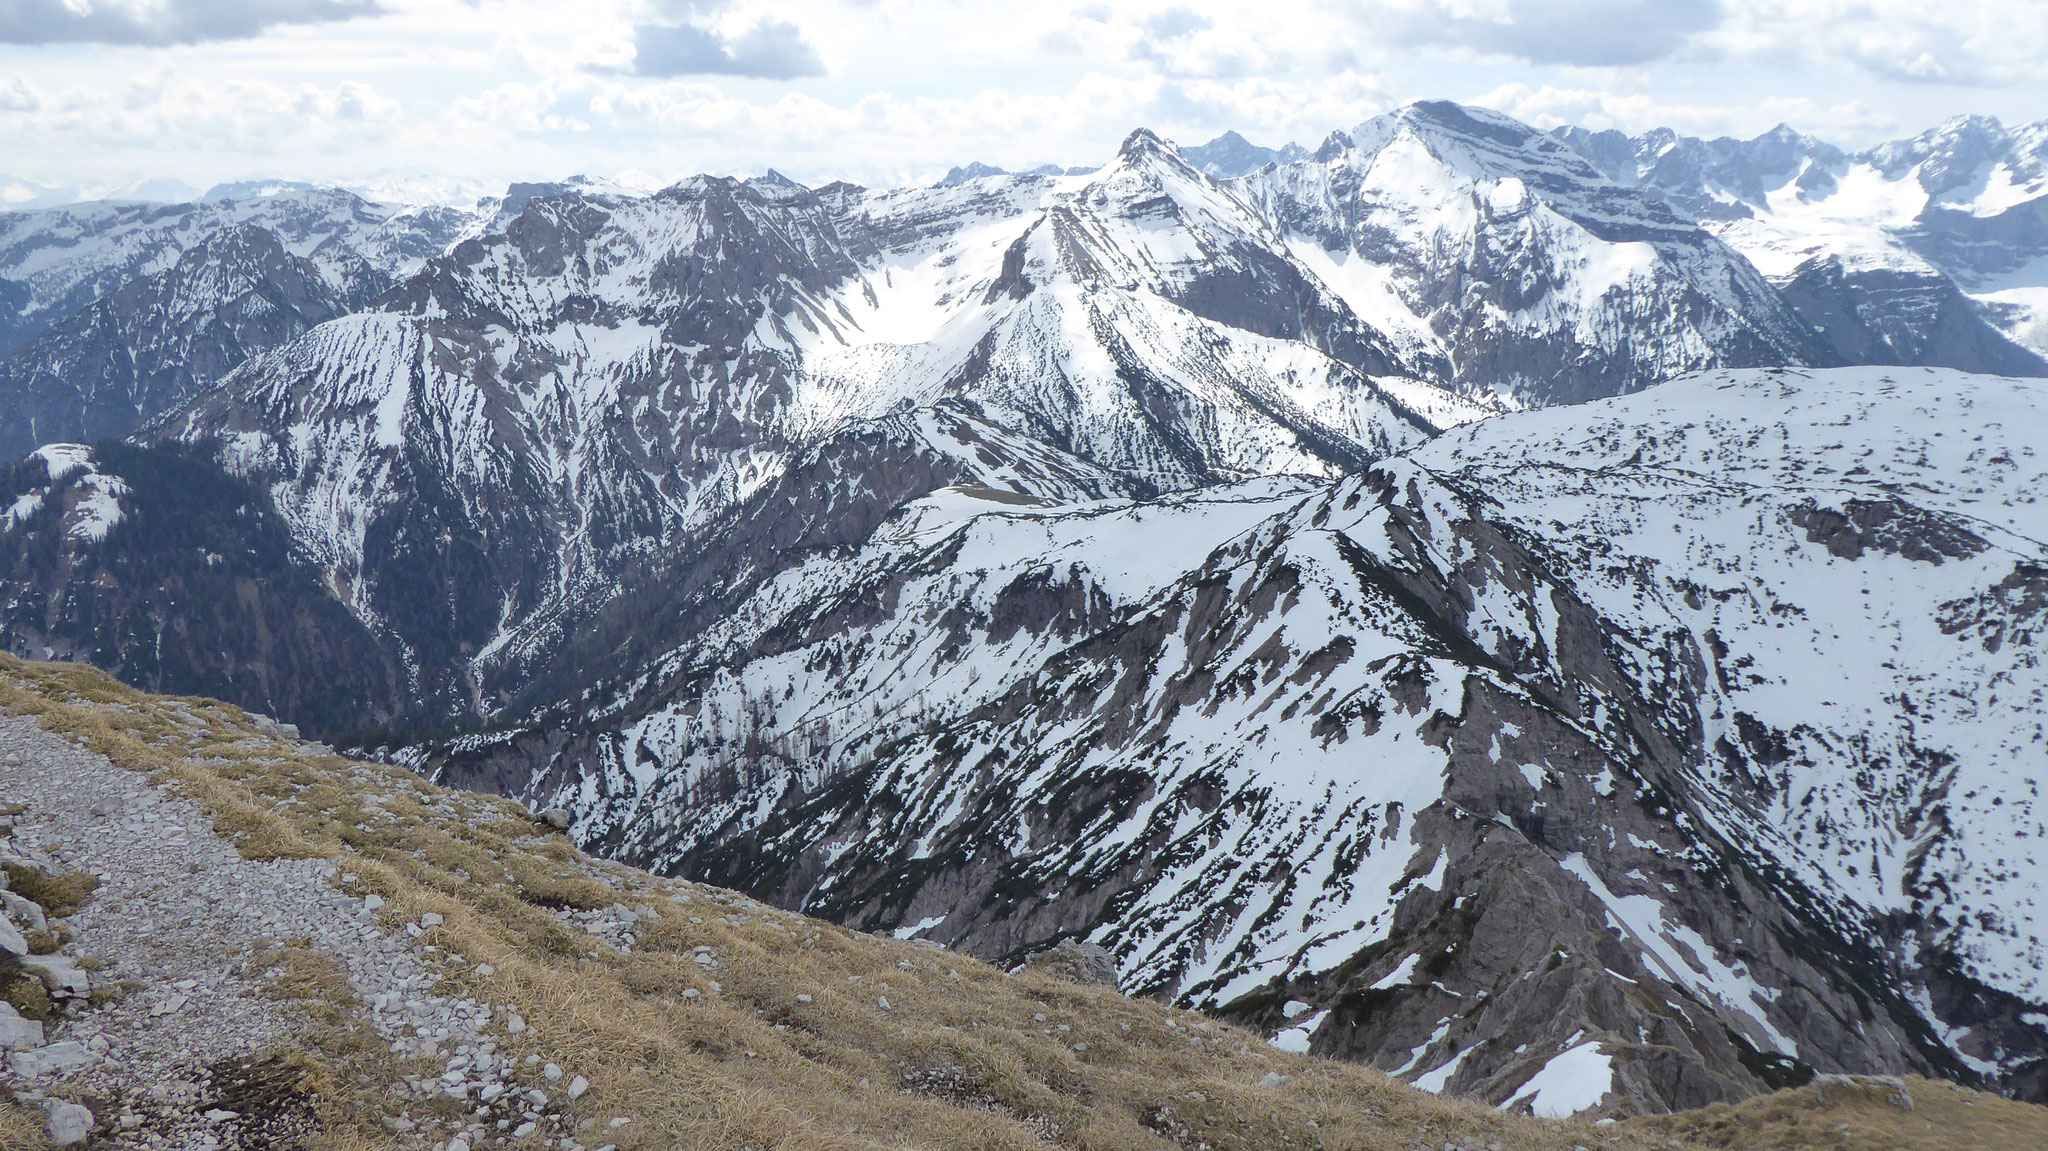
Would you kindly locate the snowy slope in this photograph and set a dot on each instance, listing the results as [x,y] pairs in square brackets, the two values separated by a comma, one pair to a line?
[160,339]
[55,261]
[1684,709]
[603,380]
[598,378]
[1539,277]
[1957,209]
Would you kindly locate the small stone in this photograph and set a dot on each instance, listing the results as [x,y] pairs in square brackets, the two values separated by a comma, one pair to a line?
[883,1003]
[556,817]
[523,1130]
[220,1115]
[691,993]
[552,1072]
[430,919]
[68,1123]
[1272,1079]
[619,1121]
[11,940]
[373,902]
[458,1144]
[578,1086]
[803,998]
[16,1033]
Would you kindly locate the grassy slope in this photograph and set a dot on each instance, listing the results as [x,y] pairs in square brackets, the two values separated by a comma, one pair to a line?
[963,1056]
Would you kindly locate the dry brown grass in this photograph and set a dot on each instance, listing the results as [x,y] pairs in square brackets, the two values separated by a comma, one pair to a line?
[1945,1117]
[58,895]
[793,1048]
[21,1128]
[22,989]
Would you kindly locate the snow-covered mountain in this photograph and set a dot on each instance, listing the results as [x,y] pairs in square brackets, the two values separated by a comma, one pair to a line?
[1507,253]
[604,379]
[1231,155]
[1130,554]
[56,261]
[1692,734]
[160,339]
[1930,245]
[592,382]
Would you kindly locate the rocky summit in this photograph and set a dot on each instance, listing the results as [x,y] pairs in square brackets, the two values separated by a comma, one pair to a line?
[1548,619]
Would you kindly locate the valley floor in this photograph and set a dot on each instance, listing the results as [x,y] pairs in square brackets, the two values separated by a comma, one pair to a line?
[285,948]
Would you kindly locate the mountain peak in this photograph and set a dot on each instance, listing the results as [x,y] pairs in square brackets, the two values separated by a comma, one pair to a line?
[1142,142]
[1231,155]
[1483,123]
[976,170]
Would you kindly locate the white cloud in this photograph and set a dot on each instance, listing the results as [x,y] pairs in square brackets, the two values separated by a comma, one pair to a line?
[1913,41]
[501,89]
[18,95]
[162,21]
[1584,33]
[694,38]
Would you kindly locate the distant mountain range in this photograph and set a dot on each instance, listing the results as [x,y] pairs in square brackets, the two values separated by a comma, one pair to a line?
[1443,598]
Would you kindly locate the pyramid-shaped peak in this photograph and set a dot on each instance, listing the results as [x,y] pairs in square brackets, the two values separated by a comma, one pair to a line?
[777,181]
[1143,142]
[1334,145]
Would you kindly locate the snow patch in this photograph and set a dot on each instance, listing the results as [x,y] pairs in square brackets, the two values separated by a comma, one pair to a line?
[1573,1080]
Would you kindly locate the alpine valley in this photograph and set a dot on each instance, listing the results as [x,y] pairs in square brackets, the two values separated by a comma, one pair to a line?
[1515,608]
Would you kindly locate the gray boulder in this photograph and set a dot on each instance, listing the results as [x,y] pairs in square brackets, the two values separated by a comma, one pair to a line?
[65,977]
[1889,1089]
[69,1123]
[56,1059]
[22,910]
[1089,964]
[16,1033]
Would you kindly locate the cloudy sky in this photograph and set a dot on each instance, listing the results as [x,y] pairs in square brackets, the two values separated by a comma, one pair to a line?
[102,92]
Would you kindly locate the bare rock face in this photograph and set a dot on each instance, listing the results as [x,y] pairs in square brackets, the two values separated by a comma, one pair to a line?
[1076,961]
